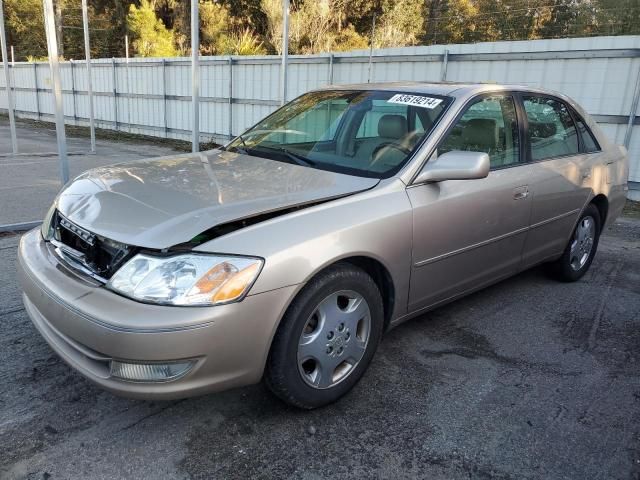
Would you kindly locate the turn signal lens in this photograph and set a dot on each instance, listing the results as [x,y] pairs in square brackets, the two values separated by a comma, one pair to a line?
[235,286]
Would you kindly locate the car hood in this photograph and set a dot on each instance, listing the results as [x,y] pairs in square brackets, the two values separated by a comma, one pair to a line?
[166,201]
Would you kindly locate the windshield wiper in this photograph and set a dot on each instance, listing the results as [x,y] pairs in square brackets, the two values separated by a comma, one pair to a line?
[297,158]
[244,150]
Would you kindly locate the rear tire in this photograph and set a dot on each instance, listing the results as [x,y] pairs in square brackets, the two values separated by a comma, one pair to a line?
[581,249]
[326,339]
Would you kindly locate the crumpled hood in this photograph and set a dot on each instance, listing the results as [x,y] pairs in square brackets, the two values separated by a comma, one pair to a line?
[166,201]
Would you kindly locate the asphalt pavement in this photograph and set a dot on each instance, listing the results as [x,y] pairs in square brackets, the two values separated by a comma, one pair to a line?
[529,378]
[30,181]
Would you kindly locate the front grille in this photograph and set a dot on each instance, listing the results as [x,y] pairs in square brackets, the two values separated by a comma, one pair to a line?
[83,250]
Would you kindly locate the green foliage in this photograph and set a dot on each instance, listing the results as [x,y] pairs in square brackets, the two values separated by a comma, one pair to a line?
[150,37]
[242,43]
[348,39]
[162,27]
[24,20]
[401,24]
[215,23]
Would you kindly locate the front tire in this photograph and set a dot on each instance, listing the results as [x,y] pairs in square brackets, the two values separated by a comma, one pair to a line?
[327,338]
[579,253]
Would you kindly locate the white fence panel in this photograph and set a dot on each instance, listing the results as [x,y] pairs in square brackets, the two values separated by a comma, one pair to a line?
[153,96]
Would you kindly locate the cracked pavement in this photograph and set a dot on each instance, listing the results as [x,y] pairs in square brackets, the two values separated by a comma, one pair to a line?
[529,378]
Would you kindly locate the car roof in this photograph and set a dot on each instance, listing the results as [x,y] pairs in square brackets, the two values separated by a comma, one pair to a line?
[440,88]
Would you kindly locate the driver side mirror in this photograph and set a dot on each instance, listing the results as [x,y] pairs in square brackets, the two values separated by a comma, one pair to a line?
[455,165]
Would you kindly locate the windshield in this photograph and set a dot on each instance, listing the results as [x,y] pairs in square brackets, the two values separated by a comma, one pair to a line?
[359,132]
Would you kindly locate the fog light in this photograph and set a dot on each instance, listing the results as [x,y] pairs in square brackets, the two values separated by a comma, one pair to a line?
[149,372]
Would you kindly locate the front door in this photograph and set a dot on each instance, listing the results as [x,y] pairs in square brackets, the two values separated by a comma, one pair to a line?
[468,233]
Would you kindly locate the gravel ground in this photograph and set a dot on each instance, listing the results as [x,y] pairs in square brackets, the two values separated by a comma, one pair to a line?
[527,379]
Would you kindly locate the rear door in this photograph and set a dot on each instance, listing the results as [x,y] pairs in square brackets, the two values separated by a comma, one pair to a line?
[468,233]
[558,176]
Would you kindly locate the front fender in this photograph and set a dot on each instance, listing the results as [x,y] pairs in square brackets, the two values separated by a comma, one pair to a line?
[375,224]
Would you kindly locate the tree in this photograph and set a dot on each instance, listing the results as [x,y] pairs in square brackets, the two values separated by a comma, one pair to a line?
[215,24]
[400,24]
[150,37]
[25,28]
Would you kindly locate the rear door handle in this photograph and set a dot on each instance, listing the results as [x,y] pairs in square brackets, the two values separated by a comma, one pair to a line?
[521,192]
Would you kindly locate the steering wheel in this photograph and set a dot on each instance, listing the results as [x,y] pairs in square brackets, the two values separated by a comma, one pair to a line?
[376,154]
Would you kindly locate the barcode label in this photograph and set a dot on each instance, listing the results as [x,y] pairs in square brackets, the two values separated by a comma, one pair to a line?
[415,100]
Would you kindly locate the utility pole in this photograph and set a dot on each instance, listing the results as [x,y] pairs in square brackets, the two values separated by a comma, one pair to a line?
[7,81]
[52,46]
[87,54]
[373,32]
[195,76]
[285,52]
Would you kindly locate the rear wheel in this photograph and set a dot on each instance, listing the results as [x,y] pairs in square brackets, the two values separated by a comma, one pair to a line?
[579,253]
[327,338]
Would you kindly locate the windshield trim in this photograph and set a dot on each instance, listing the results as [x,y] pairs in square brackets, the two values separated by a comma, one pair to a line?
[448,100]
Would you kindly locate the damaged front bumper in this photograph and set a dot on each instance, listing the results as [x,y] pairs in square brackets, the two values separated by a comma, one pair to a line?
[93,329]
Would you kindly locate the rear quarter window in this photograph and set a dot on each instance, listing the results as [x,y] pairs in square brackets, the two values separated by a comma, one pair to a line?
[589,142]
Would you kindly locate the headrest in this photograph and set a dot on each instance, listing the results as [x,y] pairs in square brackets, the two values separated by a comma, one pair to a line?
[392,126]
[481,133]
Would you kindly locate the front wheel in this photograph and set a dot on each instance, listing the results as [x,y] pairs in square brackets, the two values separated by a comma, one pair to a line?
[327,338]
[579,253]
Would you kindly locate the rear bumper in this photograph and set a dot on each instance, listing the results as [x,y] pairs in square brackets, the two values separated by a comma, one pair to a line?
[88,326]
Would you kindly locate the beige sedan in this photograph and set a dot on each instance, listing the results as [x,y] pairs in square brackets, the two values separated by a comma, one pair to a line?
[288,253]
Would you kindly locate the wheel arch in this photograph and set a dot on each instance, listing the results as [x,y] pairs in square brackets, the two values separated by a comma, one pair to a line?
[373,267]
[382,278]
[602,204]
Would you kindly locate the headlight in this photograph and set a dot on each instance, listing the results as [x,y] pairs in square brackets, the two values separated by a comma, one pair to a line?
[46,227]
[188,279]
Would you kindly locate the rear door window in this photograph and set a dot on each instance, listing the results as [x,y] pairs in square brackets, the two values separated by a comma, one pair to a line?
[552,132]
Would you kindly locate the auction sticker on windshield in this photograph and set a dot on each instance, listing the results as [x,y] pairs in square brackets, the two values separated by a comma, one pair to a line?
[415,100]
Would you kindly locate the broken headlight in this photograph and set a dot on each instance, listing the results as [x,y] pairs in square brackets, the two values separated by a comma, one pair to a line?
[188,279]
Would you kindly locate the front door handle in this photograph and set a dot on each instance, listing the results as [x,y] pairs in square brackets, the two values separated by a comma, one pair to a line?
[521,192]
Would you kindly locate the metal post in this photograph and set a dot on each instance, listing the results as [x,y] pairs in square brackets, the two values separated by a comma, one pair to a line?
[73,91]
[115,93]
[13,57]
[285,52]
[632,113]
[230,97]
[52,46]
[128,83]
[195,76]
[164,97]
[331,69]
[35,85]
[87,56]
[373,32]
[445,63]
[7,82]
